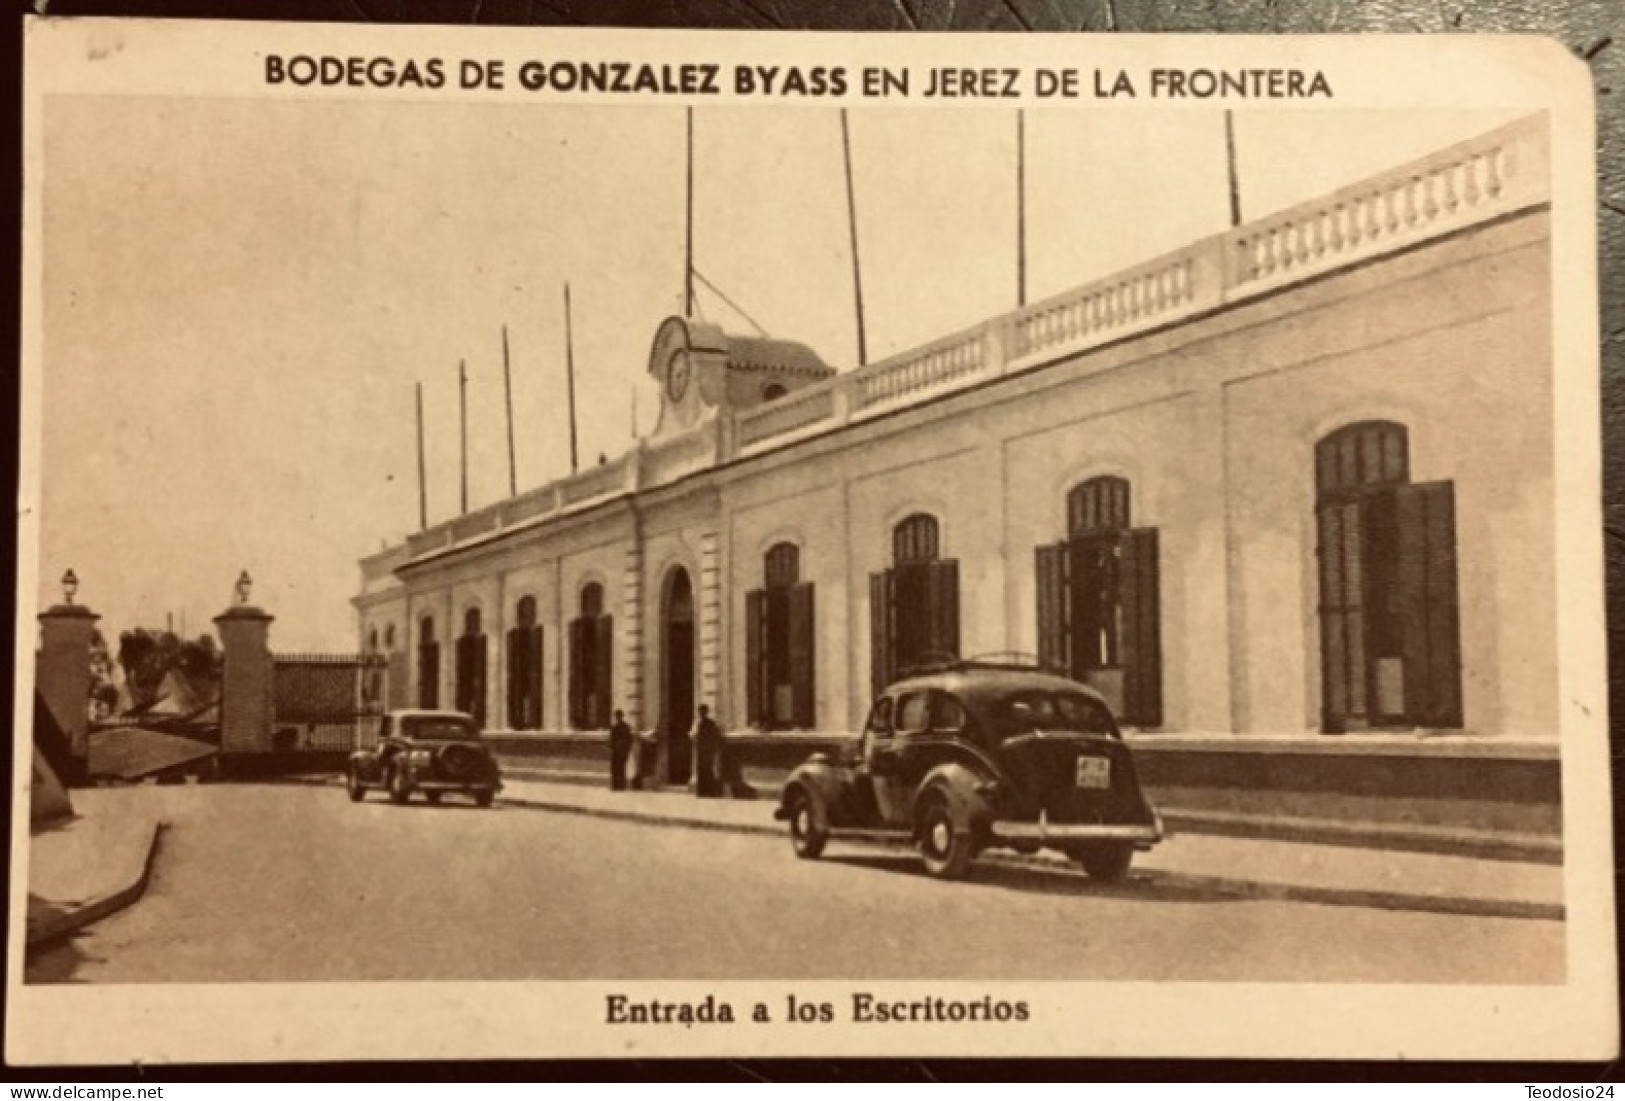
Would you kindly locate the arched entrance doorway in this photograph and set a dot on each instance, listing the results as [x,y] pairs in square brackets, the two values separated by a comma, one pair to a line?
[677,677]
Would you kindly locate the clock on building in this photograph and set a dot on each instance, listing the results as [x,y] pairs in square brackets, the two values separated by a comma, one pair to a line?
[677,372]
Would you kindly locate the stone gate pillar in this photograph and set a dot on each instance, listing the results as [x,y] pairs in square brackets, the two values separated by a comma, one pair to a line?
[63,677]
[245,686]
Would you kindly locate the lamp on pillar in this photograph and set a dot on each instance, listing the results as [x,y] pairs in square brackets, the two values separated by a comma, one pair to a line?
[248,681]
[62,684]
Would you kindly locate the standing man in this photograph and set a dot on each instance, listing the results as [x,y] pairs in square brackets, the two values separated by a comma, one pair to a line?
[708,755]
[620,748]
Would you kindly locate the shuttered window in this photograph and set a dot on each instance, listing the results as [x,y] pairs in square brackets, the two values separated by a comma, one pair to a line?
[592,656]
[471,668]
[1390,639]
[525,656]
[779,645]
[1099,602]
[914,605]
[428,665]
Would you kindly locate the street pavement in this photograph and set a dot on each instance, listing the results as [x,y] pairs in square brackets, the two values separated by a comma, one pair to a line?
[290,883]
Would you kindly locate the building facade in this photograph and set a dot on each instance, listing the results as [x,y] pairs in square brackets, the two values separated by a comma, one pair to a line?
[1294,479]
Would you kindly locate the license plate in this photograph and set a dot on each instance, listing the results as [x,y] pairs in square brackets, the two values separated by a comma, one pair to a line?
[1094,772]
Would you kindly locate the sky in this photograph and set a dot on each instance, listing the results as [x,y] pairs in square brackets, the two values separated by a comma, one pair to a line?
[240,294]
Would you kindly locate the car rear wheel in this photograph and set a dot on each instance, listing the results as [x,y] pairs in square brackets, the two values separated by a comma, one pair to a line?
[806,838]
[1106,862]
[352,783]
[483,798]
[433,797]
[944,847]
[399,790]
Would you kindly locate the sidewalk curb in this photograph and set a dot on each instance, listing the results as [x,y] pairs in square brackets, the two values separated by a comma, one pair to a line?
[1482,845]
[40,933]
[1242,888]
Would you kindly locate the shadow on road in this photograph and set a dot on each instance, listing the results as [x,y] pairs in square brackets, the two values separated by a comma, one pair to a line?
[56,959]
[1140,886]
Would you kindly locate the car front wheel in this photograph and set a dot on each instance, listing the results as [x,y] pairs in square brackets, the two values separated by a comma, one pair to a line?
[352,782]
[945,848]
[806,838]
[483,798]
[399,789]
[1106,862]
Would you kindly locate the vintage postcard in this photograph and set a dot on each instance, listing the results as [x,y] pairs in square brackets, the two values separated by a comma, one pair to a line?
[576,543]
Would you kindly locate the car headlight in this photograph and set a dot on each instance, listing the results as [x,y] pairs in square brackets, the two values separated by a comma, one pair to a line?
[420,757]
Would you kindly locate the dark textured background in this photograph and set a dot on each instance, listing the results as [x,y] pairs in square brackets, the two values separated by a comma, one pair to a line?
[1593,29]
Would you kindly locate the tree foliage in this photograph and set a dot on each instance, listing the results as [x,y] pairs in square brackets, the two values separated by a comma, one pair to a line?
[148,655]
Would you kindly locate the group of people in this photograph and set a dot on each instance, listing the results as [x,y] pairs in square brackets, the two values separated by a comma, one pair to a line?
[634,758]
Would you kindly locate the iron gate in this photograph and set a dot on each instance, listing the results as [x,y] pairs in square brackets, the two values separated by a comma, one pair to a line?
[328,702]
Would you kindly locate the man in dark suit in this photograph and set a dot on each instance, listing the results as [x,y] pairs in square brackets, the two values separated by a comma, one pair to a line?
[707,755]
[620,748]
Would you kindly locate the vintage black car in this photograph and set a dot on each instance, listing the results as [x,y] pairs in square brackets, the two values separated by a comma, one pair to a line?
[434,752]
[977,755]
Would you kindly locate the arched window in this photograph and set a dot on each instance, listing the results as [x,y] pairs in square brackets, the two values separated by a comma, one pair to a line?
[915,540]
[471,664]
[914,606]
[591,660]
[1099,617]
[525,668]
[782,565]
[372,678]
[779,644]
[1100,504]
[428,664]
[1390,640]
[389,637]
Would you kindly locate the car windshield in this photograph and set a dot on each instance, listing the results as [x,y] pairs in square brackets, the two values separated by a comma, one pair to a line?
[433,728]
[1033,710]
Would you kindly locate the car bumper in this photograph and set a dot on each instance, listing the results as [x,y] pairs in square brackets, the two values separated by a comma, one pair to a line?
[430,783]
[1058,832]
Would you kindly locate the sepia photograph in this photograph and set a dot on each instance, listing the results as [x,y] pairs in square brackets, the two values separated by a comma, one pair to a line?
[714,544]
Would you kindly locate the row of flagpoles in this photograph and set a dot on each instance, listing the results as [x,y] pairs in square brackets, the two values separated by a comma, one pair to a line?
[690,274]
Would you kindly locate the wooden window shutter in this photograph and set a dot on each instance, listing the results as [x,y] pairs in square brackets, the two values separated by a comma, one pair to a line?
[944,603]
[880,633]
[533,717]
[429,675]
[477,682]
[516,678]
[1431,624]
[578,673]
[1050,570]
[1142,627]
[802,660]
[604,681]
[460,671]
[756,711]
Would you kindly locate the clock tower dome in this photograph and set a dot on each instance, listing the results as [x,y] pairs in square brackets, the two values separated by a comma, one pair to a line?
[701,369]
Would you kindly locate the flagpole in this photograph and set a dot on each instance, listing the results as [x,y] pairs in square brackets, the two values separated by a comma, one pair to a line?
[688,227]
[1021,207]
[852,225]
[507,390]
[423,492]
[1230,160]
[462,415]
[570,377]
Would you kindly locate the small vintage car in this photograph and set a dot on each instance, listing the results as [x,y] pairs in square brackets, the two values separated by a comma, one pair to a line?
[973,755]
[434,752]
